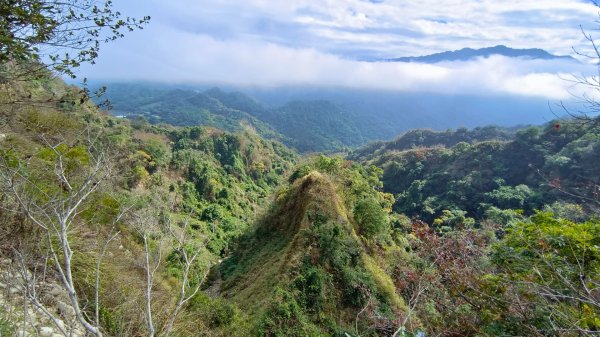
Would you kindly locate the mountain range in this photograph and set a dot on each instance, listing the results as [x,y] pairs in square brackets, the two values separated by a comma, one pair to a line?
[330,119]
[468,54]
[321,119]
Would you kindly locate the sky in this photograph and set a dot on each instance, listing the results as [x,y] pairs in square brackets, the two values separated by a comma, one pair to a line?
[334,43]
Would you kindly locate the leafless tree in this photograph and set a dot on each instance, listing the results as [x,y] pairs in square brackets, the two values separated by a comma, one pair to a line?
[52,196]
[157,231]
[419,289]
[188,288]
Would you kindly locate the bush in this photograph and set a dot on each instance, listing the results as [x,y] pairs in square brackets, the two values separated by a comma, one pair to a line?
[285,317]
[217,313]
[6,326]
[311,285]
[370,217]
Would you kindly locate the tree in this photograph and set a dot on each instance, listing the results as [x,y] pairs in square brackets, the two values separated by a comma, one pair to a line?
[159,232]
[59,34]
[371,217]
[52,188]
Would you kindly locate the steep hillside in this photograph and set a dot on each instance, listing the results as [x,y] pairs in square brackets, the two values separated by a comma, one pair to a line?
[308,269]
[317,126]
[123,200]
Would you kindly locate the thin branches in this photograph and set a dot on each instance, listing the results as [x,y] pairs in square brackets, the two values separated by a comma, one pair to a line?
[56,208]
[62,34]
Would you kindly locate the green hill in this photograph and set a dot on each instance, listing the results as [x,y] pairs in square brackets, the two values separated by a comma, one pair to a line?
[308,126]
[184,108]
[199,187]
[428,138]
[307,269]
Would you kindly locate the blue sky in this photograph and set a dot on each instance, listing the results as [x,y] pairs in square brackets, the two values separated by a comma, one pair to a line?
[302,42]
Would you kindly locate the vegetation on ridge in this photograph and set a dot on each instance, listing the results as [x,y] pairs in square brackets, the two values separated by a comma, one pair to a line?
[121,227]
[308,262]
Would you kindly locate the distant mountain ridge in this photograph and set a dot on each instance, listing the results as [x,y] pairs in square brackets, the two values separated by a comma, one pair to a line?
[467,54]
[319,120]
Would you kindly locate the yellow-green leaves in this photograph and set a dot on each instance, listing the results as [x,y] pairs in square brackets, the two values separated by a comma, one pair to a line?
[71,157]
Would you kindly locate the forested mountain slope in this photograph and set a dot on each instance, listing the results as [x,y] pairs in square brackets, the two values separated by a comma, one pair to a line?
[73,175]
[309,267]
[405,240]
[540,165]
[319,120]
[423,138]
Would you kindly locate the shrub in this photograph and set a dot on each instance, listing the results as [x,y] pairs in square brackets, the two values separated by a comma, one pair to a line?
[370,217]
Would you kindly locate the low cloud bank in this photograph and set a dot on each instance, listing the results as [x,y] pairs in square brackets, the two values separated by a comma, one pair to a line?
[183,57]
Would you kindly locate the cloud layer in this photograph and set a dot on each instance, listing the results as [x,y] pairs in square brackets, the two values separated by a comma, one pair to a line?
[299,42]
[383,28]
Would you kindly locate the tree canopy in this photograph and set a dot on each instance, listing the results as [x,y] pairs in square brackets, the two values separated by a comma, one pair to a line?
[60,34]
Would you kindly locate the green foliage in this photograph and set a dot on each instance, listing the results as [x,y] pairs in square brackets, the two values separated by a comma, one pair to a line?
[28,28]
[508,197]
[6,326]
[569,211]
[284,317]
[158,152]
[312,284]
[553,262]
[503,217]
[337,248]
[217,313]
[138,176]
[451,219]
[371,218]
[525,173]
[110,321]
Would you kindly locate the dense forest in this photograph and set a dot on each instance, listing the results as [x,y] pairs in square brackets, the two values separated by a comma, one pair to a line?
[207,218]
[488,169]
[314,120]
[306,125]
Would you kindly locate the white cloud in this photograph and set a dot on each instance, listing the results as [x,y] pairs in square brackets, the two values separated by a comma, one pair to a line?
[423,27]
[178,56]
[303,42]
